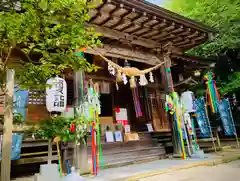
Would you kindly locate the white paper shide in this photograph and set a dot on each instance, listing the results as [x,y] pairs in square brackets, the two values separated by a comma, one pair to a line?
[56,95]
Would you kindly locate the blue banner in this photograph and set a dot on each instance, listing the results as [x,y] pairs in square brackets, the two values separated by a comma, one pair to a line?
[20,101]
[202,118]
[226,117]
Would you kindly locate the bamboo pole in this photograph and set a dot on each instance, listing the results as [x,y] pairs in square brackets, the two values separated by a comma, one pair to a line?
[234,127]
[210,128]
[7,128]
[218,139]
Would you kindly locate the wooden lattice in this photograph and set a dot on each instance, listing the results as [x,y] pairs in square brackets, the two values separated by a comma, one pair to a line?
[2,102]
[36,98]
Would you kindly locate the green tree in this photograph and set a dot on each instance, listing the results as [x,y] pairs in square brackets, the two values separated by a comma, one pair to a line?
[48,32]
[222,15]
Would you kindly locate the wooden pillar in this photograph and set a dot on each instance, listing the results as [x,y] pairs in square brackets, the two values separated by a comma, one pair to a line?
[168,89]
[49,151]
[7,128]
[80,157]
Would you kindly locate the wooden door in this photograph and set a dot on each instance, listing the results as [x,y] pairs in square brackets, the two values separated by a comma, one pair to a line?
[159,115]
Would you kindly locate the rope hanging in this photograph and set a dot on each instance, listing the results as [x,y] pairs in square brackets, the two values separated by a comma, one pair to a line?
[131,72]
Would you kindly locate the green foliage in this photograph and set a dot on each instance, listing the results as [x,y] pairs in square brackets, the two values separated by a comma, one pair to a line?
[222,15]
[48,32]
[17,119]
[67,129]
[230,86]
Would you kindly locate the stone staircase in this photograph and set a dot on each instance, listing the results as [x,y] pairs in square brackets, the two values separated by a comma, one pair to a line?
[120,153]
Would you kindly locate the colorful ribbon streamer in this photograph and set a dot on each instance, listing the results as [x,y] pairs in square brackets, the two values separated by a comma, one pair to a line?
[212,92]
[136,101]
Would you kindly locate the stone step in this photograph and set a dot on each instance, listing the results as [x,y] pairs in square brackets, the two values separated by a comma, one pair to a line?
[126,145]
[124,152]
[132,160]
[142,136]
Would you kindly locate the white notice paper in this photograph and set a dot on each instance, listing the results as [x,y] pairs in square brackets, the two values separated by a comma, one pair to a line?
[122,114]
[127,129]
[109,136]
[150,128]
[118,136]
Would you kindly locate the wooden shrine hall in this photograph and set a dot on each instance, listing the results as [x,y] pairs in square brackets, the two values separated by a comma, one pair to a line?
[145,35]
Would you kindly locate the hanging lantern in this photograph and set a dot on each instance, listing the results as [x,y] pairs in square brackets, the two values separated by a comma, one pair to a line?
[56,95]
[197,73]
[187,99]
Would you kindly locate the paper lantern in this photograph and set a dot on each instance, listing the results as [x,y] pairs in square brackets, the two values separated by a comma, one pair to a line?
[56,95]
[188,101]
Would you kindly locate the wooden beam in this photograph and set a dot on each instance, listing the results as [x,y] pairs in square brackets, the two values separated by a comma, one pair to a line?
[186,81]
[160,25]
[150,34]
[125,19]
[116,16]
[126,53]
[182,42]
[186,32]
[117,35]
[179,30]
[196,41]
[167,37]
[190,58]
[151,22]
[169,28]
[195,34]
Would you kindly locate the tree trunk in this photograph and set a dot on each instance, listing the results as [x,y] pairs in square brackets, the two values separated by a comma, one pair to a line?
[7,128]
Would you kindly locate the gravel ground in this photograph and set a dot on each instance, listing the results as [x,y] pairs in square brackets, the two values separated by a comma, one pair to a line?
[224,172]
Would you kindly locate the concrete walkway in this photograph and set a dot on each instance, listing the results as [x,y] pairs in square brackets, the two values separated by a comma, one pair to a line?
[223,172]
[138,171]
[144,170]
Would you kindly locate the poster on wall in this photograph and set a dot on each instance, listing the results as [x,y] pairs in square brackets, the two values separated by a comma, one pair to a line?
[121,116]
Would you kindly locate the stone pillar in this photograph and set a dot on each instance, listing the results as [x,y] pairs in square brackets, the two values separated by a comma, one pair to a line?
[80,158]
